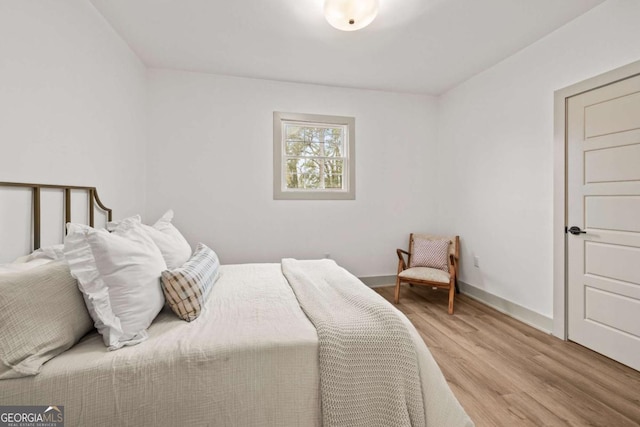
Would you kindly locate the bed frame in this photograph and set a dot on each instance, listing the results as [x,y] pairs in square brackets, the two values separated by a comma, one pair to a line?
[91,192]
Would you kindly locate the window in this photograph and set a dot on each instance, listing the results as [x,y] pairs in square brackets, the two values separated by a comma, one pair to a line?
[313,157]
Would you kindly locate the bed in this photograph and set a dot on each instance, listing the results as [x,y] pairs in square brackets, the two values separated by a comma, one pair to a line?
[254,357]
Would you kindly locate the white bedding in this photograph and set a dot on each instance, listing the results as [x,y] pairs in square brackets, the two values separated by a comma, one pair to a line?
[369,371]
[250,359]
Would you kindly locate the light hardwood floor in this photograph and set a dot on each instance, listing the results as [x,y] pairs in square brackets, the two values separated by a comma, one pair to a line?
[506,373]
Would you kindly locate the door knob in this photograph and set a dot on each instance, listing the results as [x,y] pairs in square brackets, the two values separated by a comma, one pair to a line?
[576,230]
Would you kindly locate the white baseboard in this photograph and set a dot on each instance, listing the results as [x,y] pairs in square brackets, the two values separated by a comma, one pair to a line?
[512,309]
[507,307]
[378,281]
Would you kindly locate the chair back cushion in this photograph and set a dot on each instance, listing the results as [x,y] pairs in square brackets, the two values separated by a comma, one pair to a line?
[430,251]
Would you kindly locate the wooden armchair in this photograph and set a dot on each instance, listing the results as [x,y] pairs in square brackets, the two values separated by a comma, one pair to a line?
[417,272]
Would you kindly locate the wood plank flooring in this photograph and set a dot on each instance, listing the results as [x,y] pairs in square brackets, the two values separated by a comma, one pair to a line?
[506,373]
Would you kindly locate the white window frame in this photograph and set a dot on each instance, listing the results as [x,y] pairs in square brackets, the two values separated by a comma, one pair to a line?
[280,190]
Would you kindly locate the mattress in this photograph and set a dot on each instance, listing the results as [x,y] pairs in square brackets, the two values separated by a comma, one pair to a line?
[250,359]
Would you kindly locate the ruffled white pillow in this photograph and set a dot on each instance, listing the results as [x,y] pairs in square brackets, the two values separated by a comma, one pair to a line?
[119,276]
[174,247]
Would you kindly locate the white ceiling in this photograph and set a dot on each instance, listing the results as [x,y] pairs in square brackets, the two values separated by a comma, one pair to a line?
[419,46]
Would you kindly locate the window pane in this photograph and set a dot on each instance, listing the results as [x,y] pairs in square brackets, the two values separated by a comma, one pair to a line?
[313,141]
[293,132]
[295,142]
[302,148]
[333,170]
[333,142]
[303,173]
[311,134]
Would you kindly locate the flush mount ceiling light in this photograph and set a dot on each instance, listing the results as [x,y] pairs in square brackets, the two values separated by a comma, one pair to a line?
[350,15]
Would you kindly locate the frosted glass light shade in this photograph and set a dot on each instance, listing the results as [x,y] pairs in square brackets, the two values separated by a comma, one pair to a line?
[350,15]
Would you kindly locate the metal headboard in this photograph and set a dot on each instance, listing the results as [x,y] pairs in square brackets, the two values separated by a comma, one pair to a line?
[35,206]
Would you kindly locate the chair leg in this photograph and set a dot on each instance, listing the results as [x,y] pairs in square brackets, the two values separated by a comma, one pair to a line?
[452,293]
[396,297]
[457,287]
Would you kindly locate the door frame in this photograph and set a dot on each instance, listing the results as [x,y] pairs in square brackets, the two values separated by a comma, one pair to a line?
[561,96]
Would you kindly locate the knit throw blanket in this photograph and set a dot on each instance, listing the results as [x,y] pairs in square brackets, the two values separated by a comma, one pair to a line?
[368,364]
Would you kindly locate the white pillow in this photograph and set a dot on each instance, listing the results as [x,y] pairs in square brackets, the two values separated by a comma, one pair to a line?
[18,267]
[51,253]
[119,276]
[34,259]
[174,247]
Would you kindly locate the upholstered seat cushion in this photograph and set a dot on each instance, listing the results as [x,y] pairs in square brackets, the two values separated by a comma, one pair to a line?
[425,273]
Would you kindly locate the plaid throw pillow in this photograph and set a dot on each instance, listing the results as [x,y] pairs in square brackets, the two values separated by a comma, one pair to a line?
[186,288]
[430,253]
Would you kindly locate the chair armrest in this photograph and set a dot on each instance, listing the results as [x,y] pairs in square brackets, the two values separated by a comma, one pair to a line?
[401,262]
[452,266]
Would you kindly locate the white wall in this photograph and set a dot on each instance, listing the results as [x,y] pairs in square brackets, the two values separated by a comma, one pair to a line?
[496,129]
[210,159]
[72,104]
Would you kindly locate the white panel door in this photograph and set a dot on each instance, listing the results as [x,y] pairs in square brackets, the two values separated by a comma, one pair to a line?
[603,200]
